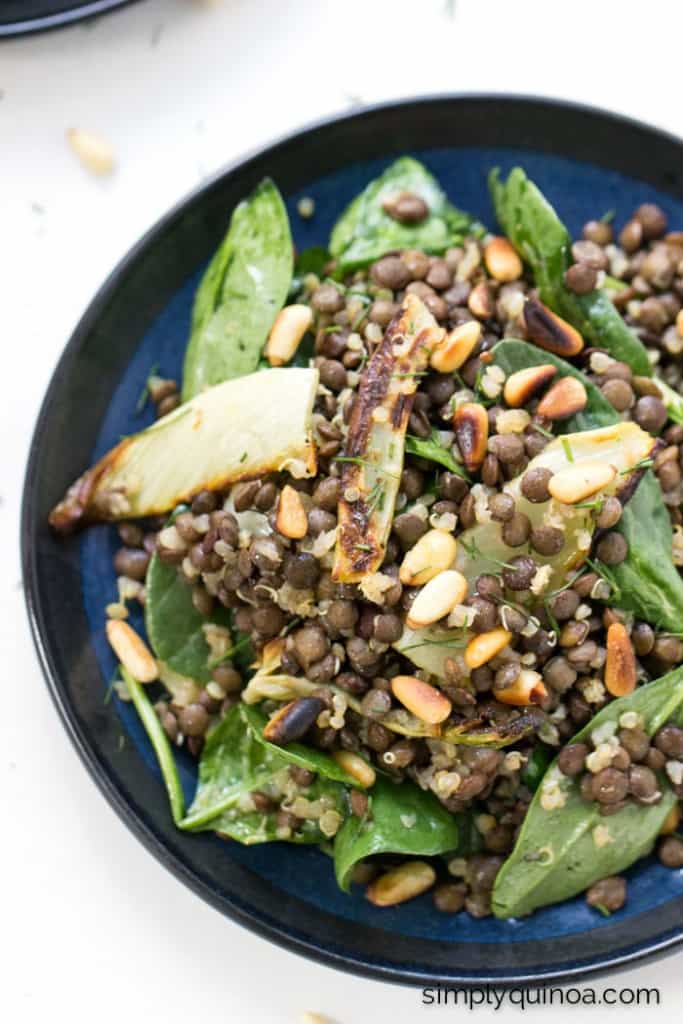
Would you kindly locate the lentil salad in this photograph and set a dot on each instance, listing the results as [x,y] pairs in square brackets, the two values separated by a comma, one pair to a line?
[424,613]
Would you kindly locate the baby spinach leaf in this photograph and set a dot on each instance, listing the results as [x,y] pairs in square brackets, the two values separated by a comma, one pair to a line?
[647,583]
[311,261]
[431,448]
[672,400]
[174,626]
[534,228]
[558,852]
[160,743]
[401,819]
[365,231]
[535,767]
[241,293]
[235,762]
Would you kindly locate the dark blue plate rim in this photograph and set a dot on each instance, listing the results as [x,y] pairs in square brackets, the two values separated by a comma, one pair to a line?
[259,922]
[42,22]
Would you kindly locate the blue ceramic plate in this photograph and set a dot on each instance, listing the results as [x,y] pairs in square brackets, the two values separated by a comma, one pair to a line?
[22,16]
[587,162]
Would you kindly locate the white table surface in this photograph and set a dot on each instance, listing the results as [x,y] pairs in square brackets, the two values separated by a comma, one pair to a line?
[94,928]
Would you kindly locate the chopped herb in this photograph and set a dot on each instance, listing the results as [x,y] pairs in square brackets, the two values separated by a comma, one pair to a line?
[239,646]
[603,909]
[411,373]
[608,216]
[567,449]
[551,618]
[375,498]
[605,574]
[363,547]
[357,460]
[474,551]
[244,456]
[643,464]
[286,630]
[144,394]
[596,504]
[541,430]
[570,583]
[363,313]
[455,641]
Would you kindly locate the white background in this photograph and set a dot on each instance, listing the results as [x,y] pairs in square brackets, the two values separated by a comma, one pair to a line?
[94,928]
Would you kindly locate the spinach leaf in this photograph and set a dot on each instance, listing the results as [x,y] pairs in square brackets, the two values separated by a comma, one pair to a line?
[174,626]
[241,293]
[364,232]
[533,227]
[431,448]
[401,819]
[556,854]
[160,743]
[672,400]
[647,583]
[534,769]
[235,762]
[311,261]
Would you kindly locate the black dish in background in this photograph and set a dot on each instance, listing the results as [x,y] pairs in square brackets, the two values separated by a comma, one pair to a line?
[79,392]
[19,17]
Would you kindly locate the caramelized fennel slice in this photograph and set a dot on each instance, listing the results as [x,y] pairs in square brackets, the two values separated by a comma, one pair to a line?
[239,429]
[481,549]
[373,458]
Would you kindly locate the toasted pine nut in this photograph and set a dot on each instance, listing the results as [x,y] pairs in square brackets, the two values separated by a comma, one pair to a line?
[400,884]
[528,688]
[471,426]
[433,552]
[425,701]
[271,655]
[672,821]
[94,152]
[480,301]
[290,325]
[523,384]
[575,483]
[291,520]
[502,262]
[485,646]
[437,598]
[132,651]
[293,720]
[620,667]
[564,399]
[456,348]
[356,767]
[679,323]
[549,331]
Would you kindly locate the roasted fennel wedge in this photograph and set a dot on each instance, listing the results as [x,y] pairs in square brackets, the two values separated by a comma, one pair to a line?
[373,455]
[242,428]
[624,447]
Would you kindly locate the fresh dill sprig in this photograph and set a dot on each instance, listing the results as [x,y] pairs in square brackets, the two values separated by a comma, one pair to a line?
[542,430]
[231,652]
[144,394]
[567,449]
[642,464]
